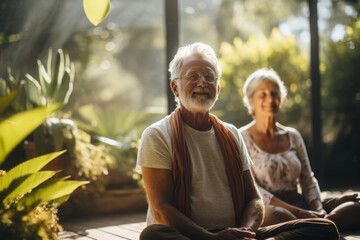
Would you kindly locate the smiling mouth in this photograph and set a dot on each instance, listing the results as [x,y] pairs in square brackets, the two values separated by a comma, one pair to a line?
[201,94]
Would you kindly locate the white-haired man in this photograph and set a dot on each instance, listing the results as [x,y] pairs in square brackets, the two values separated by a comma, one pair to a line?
[196,168]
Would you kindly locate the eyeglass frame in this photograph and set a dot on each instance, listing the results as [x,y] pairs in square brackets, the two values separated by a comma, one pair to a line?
[184,76]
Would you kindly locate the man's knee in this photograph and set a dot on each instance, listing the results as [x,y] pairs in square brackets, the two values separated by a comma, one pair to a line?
[161,232]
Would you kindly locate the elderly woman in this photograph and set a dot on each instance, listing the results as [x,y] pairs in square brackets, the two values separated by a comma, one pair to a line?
[281,162]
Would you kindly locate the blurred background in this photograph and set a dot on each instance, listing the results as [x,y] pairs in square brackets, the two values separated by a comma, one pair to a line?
[120,80]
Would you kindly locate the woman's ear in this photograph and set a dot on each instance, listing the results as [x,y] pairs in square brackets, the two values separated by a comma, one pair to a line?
[174,88]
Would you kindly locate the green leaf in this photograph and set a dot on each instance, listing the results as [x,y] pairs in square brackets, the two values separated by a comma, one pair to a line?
[96,10]
[28,167]
[6,100]
[66,87]
[55,128]
[61,200]
[48,67]
[34,91]
[58,73]
[49,190]
[44,80]
[18,188]
[15,128]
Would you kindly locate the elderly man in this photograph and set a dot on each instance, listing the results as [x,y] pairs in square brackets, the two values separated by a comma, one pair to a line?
[196,168]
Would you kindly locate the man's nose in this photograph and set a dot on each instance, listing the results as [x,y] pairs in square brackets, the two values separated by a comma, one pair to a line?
[202,81]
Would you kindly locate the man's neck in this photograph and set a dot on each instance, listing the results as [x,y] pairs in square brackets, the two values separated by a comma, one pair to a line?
[199,121]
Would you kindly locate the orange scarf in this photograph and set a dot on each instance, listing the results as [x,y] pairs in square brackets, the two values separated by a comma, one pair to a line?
[182,164]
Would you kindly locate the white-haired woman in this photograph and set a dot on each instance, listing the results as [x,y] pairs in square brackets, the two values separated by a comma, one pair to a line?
[281,162]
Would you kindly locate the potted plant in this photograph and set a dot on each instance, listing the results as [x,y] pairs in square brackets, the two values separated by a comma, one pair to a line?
[29,197]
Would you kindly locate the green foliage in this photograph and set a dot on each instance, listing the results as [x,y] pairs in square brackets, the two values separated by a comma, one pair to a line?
[116,124]
[52,86]
[15,128]
[25,189]
[89,162]
[279,52]
[39,224]
[341,104]
[115,136]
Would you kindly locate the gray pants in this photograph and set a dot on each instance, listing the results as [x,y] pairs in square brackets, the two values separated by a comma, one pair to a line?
[309,229]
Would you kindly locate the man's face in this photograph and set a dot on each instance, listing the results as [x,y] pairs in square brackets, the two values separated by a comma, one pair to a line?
[197,87]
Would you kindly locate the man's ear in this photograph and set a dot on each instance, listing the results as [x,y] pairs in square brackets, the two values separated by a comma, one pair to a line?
[218,88]
[174,88]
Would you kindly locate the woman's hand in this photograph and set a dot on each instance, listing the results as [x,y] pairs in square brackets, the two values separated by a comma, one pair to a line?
[349,198]
[235,234]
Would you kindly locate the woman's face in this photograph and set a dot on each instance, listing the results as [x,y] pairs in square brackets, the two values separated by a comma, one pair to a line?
[265,100]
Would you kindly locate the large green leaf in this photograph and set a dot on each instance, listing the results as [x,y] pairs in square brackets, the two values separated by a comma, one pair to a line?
[18,188]
[15,128]
[49,190]
[28,167]
[6,100]
[96,10]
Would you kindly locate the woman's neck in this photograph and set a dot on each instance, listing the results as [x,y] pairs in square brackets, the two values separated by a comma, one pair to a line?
[265,125]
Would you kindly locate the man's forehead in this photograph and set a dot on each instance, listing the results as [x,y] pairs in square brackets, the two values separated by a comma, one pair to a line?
[196,62]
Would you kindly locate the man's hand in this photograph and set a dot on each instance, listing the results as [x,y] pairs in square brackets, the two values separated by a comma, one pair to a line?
[302,213]
[235,234]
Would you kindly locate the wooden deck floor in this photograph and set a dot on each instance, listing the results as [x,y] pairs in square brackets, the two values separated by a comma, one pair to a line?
[112,226]
[128,226]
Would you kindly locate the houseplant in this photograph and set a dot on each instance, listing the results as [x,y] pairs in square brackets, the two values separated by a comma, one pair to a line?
[29,197]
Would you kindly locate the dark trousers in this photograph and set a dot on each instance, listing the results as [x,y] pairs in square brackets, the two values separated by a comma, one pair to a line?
[307,229]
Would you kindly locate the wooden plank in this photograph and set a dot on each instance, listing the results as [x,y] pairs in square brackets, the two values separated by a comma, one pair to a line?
[136,227]
[66,235]
[119,231]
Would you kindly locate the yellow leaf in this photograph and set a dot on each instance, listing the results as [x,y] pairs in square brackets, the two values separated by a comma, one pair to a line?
[96,10]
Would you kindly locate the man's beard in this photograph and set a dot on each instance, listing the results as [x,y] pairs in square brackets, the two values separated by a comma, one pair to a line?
[196,103]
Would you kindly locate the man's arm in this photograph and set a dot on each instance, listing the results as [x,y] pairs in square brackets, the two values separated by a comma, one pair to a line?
[254,207]
[159,189]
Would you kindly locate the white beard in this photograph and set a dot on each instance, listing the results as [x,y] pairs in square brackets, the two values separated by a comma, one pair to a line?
[199,104]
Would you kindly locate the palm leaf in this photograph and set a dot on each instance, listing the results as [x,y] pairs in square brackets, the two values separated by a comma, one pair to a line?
[28,167]
[15,128]
[49,190]
[23,185]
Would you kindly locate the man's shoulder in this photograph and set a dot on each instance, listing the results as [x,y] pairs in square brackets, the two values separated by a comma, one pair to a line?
[229,126]
[161,127]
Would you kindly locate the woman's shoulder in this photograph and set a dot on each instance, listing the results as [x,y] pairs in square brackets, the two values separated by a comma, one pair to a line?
[293,132]
[244,129]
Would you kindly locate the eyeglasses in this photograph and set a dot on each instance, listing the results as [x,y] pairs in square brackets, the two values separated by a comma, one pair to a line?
[195,76]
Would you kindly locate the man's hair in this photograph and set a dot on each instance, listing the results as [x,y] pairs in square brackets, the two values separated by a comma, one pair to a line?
[196,49]
[260,76]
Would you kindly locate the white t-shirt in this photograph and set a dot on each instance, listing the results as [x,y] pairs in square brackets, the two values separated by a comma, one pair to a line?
[211,202]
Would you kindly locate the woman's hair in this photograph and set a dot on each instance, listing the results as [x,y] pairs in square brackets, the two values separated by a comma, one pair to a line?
[260,76]
[196,49]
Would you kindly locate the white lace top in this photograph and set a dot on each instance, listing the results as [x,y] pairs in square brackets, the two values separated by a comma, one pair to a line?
[278,172]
